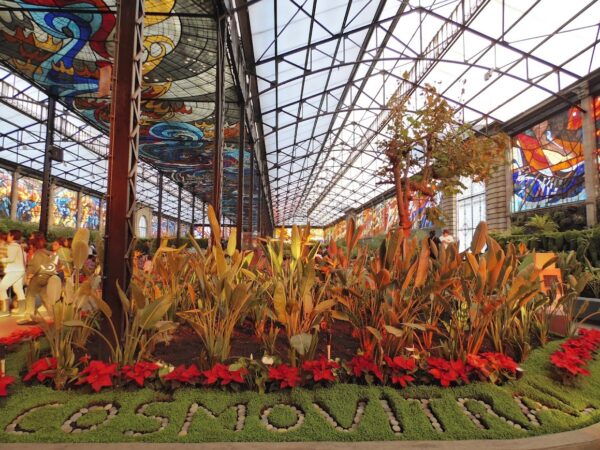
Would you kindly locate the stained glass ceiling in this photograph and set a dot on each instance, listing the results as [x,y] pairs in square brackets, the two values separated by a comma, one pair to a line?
[325,71]
[63,46]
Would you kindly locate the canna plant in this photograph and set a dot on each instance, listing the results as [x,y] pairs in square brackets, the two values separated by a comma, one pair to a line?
[66,307]
[299,299]
[221,289]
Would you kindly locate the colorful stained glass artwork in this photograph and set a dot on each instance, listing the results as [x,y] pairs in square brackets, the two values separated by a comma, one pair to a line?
[64,46]
[90,212]
[154,226]
[5,193]
[548,164]
[29,196]
[171,228]
[64,211]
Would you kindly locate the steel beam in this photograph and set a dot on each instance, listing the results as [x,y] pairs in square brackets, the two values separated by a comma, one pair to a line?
[179,193]
[218,119]
[47,172]
[240,191]
[193,215]
[125,122]
[159,210]
[251,191]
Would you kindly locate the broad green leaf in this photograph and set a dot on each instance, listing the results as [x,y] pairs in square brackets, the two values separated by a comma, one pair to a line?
[296,246]
[214,225]
[279,302]
[301,343]
[231,242]
[153,312]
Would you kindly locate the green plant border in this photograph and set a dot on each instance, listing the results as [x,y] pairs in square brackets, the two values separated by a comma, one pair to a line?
[564,405]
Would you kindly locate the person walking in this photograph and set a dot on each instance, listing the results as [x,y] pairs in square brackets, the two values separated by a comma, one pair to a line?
[14,273]
[40,268]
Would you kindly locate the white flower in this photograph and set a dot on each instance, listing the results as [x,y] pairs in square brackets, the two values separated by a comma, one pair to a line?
[267,360]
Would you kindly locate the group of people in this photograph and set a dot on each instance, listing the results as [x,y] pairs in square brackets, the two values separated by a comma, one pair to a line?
[27,265]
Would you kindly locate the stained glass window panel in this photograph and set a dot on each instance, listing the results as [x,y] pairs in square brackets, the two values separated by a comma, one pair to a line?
[5,193]
[28,199]
[90,212]
[548,164]
[64,212]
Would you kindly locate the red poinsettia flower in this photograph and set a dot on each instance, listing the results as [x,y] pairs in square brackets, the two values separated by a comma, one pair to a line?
[364,365]
[500,362]
[286,375]
[447,372]
[5,381]
[590,335]
[220,373]
[42,369]
[190,375]
[321,369]
[20,335]
[139,372]
[98,374]
[85,359]
[401,369]
[569,362]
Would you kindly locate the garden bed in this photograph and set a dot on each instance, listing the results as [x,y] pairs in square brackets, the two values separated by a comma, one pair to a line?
[534,405]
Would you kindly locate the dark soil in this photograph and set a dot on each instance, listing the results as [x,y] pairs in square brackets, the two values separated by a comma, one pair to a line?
[185,346]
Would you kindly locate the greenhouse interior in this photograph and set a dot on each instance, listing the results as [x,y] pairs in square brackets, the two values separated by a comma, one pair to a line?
[359,222]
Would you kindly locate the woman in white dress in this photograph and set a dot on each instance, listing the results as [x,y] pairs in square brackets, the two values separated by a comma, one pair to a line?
[14,270]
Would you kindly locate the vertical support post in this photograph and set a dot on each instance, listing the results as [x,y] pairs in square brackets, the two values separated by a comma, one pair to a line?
[590,157]
[193,215]
[259,215]
[219,107]
[159,212]
[179,215]
[251,193]
[79,222]
[203,218]
[240,194]
[45,203]
[125,121]
[14,194]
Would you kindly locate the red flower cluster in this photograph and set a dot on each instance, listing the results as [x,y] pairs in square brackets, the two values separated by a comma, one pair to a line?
[5,381]
[573,357]
[139,372]
[286,375]
[42,369]
[491,366]
[321,369]
[98,375]
[17,336]
[364,365]
[223,374]
[447,372]
[189,375]
[402,369]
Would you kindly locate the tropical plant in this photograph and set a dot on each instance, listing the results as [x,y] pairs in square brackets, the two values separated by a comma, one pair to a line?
[221,290]
[299,300]
[67,306]
[429,150]
[540,223]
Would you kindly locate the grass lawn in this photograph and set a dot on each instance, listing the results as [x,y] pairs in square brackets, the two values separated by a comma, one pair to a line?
[531,406]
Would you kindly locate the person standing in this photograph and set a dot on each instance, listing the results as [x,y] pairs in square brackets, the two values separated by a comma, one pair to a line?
[446,238]
[14,272]
[40,268]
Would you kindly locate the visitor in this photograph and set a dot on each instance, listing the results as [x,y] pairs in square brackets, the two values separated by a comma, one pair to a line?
[434,241]
[40,268]
[446,238]
[65,257]
[14,272]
